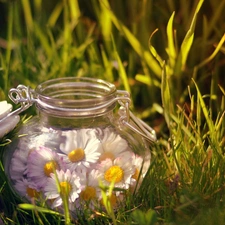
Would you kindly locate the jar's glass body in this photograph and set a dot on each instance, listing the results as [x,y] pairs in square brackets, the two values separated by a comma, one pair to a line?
[75,142]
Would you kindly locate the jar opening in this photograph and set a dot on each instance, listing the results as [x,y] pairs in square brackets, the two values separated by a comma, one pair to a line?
[73,96]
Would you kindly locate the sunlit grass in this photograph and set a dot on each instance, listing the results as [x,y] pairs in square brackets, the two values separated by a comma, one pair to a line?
[170,57]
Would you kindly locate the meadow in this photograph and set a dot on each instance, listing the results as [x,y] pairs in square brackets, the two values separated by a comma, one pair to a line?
[169,54]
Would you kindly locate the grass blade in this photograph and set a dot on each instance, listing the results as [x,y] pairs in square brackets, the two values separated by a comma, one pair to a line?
[28,14]
[205,111]
[121,68]
[27,206]
[188,40]
[212,56]
[171,51]
[55,14]
[166,96]
[145,55]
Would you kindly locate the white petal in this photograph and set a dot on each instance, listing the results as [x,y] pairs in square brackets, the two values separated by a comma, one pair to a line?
[5,108]
[8,124]
[57,202]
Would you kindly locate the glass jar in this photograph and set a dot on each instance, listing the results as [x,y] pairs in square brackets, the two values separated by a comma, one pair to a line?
[80,139]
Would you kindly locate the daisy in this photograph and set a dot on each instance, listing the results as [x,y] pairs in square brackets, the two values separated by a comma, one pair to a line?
[18,165]
[90,189]
[45,137]
[80,149]
[41,163]
[141,167]
[28,189]
[119,171]
[62,185]
[7,124]
[112,145]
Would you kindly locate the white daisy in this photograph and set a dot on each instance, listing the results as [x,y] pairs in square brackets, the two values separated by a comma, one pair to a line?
[41,163]
[62,185]
[91,192]
[7,124]
[81,149]
[44,137]
[28,189]
[141,167]
[18,165]
[112,145]
[119,170]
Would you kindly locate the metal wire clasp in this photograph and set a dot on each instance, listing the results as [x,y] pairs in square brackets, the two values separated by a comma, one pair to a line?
[139,127]
[23,95]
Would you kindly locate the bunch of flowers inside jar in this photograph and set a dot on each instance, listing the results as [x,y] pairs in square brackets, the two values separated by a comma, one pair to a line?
[73,166]
[74,169]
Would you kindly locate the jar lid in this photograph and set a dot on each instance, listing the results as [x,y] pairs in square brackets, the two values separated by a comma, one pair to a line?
[75,97]
[79,97]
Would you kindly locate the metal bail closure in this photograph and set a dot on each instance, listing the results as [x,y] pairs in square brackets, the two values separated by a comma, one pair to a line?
[21,95]
[139,127]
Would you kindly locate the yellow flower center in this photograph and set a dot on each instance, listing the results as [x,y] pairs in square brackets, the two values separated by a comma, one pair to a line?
[50,167]
[88,194]
[32,193]
[106,155]
[114,173]
[76,155]
[65,188]
[136,174]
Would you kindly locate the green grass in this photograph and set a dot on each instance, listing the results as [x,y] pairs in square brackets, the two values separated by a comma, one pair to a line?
[170,56]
